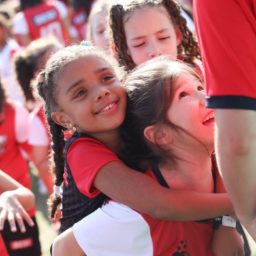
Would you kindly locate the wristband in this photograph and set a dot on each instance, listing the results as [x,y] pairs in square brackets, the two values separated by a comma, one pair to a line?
[225,221]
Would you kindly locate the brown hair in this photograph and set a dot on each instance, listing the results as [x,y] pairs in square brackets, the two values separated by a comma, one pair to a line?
[149,87]
[188,50]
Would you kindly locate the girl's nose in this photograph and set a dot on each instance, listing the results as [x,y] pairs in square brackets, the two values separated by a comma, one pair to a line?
[102,92]
[154,50]
[202,102]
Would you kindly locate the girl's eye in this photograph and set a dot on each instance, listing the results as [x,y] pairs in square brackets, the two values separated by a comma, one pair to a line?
[200,88]
[107,78]
[138,45]
[79,93]
[164,37]
[101,31]
[182,94]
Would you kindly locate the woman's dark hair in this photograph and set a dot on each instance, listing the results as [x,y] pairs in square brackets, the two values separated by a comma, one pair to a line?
[188,50]
[149,88]
[30,61]
[48,89]
[24,4]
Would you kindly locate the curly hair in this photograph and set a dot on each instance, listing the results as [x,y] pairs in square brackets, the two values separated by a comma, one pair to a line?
[188,50]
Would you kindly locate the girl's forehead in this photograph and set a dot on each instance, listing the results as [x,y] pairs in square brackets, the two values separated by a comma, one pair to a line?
[145,8]
[89,60]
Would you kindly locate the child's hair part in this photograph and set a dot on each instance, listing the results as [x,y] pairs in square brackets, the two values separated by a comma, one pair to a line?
[48,89]
[150,93]
[188,50]
[31,60]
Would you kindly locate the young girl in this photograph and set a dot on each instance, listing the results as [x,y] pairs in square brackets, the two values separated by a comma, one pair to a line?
[14,130]
[28,63]
[8,47]
[141,30]
[178,146]
[97,25]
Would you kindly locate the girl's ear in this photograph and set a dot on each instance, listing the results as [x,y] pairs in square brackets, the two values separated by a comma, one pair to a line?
[179,35]
[62,119]
[158,135]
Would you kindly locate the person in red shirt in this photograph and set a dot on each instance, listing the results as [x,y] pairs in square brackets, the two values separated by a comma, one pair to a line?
[14,130]
[38,18]
[28,63]
[227,37]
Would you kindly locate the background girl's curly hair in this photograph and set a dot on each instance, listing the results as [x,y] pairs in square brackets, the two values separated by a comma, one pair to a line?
[29,61]
[48,89]
[188,50]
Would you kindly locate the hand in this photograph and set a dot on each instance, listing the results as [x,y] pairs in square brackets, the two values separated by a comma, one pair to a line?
[12,210]
[227,242]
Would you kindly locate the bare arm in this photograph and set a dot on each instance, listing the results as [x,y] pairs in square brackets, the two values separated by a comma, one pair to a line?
[40,157]
[65,244]
[144,194]
[24,195]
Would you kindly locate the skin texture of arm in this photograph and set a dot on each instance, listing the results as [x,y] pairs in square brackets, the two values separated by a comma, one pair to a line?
[40,157]
[236,146]
[144,194]
[65,244]
[226,235]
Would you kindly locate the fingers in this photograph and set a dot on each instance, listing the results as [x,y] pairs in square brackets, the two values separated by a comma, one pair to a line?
[3,217]
[11,220]
[20,222]
[15,217]
[27,218]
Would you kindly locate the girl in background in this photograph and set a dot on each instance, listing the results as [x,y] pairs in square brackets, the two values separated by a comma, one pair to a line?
[8,47]
[97,25]
[14,133]
[28,63]
[141,30]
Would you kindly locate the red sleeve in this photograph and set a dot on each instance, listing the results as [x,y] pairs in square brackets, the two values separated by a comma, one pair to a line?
[86,157]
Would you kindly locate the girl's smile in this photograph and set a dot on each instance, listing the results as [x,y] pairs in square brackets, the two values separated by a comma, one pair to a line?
[90,86]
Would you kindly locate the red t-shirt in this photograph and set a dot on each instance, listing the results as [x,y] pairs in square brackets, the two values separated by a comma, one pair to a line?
[87,156]
[11,159]
[227,36]
[44,20]
[79,21]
